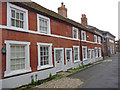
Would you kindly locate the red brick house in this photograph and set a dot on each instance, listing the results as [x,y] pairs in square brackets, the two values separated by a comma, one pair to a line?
[35,42]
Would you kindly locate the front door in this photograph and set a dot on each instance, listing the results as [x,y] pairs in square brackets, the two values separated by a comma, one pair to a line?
[58,59]
[69,58]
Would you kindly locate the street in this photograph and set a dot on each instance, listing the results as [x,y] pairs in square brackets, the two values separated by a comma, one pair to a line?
[102,75]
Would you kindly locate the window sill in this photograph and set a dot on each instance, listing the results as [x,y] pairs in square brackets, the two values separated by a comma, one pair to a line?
[83,40]
[16,72]
[76,61]
[85,59]
[44,67]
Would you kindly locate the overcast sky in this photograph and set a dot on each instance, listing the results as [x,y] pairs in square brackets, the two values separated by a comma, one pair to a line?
[102,14]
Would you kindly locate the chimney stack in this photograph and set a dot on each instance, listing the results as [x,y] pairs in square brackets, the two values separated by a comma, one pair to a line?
[84,20]
[62,10]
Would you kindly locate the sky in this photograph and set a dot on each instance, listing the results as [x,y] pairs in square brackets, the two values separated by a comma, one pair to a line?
[102,14]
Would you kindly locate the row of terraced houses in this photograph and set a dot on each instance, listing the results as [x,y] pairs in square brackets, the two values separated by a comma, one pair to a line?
[35,42]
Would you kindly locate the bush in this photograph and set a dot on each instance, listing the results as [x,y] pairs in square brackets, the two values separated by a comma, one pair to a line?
[32,81]
[50,76]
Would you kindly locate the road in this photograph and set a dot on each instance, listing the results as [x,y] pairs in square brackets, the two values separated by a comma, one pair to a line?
[102,75]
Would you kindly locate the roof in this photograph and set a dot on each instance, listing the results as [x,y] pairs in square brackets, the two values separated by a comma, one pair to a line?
[107,32]
[53,14]
[102,31]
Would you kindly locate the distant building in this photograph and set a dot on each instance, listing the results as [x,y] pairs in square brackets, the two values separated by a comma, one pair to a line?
[117,45]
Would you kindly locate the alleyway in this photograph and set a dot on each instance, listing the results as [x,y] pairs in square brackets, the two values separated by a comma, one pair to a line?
[103,75]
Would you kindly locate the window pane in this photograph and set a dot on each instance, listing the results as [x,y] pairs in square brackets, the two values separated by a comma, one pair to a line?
[17,57]
[21,16]
[21,24]
[17,23]
[12,22]
[13,13]
[17,18]
[44,55]
[43,25]
[17,15]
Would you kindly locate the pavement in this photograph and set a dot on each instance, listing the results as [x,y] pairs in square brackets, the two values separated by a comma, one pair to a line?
[101,75]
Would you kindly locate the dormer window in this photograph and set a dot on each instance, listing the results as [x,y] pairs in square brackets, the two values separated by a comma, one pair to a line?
[75,33]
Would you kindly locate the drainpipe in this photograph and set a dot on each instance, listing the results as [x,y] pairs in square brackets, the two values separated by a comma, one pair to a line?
[81,49]
[103,49]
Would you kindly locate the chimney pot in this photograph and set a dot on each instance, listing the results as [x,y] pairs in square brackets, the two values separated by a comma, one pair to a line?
[84,19]
[62,4]
[62,10]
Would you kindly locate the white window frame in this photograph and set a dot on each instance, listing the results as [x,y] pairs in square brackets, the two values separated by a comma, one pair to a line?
[82,35]
[78,54]
[96,52]
[9,72]
[99,40]
[85,52]
[70,54]
[99,52]
[38,29]
[95,36]
[90,54]
[50,56]
[25,25]
[75,29]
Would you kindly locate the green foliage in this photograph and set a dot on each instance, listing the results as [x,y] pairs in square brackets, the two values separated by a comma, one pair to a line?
[50,76]
[70,71]
[80,67]
[58,76]
[32,81]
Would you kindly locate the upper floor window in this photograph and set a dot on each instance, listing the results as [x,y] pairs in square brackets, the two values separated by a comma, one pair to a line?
[83,35]
[17,16]
[99,40]
[95,38]
[75,33]
[43,24]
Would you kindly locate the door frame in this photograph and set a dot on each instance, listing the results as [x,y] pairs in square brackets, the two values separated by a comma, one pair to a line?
[62,56]
[70,55]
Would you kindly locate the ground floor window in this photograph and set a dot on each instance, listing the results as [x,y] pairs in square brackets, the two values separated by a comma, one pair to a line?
[76,53]
[17,57]
[99,52]
[44,55]
[92,53]
[84,52]
[89,53]
[96,52]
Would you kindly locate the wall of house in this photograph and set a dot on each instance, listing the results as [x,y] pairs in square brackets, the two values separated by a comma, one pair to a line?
[65,30]
[63,40]
[91,45]
[0,47]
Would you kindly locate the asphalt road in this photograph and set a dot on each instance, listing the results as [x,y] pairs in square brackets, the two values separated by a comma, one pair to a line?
[102,75]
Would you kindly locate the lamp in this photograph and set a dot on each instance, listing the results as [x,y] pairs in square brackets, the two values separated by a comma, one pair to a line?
[3,50]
